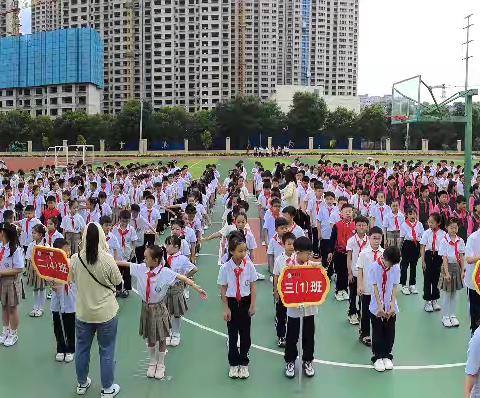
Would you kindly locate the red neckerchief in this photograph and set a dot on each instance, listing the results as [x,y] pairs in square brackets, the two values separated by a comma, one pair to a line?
[329,209]
[434,239]
[149,211]
[35,202]
[381,209]
[414,233]
[361,243]
[455,246]
[150,275]
[238,271]
[278,240]
[50,237]
[27,226]
[72,218]
[375,254]
[318,203]
[397,225]
[115,201]
[2,254]
[384,277]
[89,217]
[171,257]
[292,227]
[292,260]
[123,234]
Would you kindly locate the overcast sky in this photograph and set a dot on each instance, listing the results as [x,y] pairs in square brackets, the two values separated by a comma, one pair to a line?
[403,38]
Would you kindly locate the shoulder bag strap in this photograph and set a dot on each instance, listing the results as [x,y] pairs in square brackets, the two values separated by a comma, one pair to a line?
[93,276]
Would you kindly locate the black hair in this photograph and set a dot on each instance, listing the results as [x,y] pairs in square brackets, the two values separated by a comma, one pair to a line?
[288,235]
[360,219]
[40,228]
[280,222]
[375,230]
[454,220]
[290,210]
[135,207]
[235,238]
[125,215]
[392,254]
[460,199]
[51,199]
[174,241]
[29,208]
[60,243]
[91,244]
[303,244]
[179,222]
[8,214]
[12,237]
[157,252]
[105,220]
[437,217]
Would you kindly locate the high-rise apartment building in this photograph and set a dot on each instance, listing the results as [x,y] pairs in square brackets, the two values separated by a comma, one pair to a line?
[9,23]
[197,53]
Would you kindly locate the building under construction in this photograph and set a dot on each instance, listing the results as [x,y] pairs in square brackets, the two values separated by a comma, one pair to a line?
[196,53]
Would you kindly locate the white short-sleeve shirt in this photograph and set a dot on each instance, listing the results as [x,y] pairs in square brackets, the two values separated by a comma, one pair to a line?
[226,277]
[162,279]
[16,261]
[472,249]
[447,248]
[356,245]
[427,239]
[365,260]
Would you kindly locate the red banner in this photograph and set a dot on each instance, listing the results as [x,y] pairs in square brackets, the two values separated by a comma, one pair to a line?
[476,277]
[303,285]
[51,264]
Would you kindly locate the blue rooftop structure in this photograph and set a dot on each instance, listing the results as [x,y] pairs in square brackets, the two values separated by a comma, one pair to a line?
[65,56]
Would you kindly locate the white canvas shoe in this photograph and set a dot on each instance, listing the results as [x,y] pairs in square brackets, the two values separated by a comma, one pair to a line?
[436,306]
[160,372]
[82,388]
[413,289]
[447,322]
[379,366]
[69,358]
[11,340]
[233,372]
[243,372]
[60,357]
[388,363]
[406,290]
[428,306]
[454,321]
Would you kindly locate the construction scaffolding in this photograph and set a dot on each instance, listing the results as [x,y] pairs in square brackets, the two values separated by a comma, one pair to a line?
[241,51]
[130,44]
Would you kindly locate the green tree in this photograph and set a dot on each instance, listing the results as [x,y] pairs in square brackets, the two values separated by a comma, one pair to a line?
[207,139]
[341,122]
[15,126]
[69,126]
[42,132]
[271,118]
[127,122]
[371,123]
[170,123]
[307,115]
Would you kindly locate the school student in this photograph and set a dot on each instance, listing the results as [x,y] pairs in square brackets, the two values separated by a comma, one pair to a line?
[341,232]
[72,226]
[355,245]
[63,304]
[237,280]
[33,280]
[385,278]
[452,251]
[391,225]
[472,256]
[275,245]
[431,262]
[364,286]
[411,232]
[12,262]
[324,229]
[153,281]
[280,310]
[303,252]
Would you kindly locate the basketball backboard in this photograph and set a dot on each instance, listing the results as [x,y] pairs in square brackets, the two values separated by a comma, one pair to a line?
[406,100]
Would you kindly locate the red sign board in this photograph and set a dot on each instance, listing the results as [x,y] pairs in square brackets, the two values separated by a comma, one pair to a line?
[303,286]
[51,264]
[476,277]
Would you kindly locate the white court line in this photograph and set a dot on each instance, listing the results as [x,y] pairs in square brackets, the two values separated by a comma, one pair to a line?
[331,363]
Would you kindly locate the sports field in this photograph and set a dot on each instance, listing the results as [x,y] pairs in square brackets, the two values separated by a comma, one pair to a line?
[428,358]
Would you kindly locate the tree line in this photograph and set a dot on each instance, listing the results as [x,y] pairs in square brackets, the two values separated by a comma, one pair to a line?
[241,119]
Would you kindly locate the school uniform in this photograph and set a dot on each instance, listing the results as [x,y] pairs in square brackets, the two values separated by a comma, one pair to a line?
[176,302]
[161,202]
[269,223]
[105,210]
[378,213]
[72,227]
[275,249]
[293,330]
[33,279]
[391,225]
[365,260]
[365,207]
[383,330]
[433,263]
[38,203]
[313,209]
[411,234]
[445,213]
[26,226]
[63,303]
[472,249]
[152,287]
[127,239]
[92,216]
[52,237]
[355,245]
[152,216]
[116,203]
[323,219]
[113,245]
[238,280]
[280,309]
[425,208]
[11,287]
[341,232]
[463,225]
[453,251]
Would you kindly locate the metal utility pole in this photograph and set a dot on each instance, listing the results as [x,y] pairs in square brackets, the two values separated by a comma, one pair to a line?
[467,44]
[142,72]
[468,115]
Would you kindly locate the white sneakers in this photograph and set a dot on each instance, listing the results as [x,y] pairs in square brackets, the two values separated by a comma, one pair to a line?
[450,321]
[381,365]
[160,371]
[436,306]
[309,369]
[238,372]
[3,337]
[428,306]
[60,357]
[446,321]
[290,370]
[174,340]
[413,289]
[110,392]
[152,367]
[260,276]
[406,290]
[82,388]
[341,295]
[11,340]
[69,358]
[233,372]
[36,313]
[353,319]
[186,293]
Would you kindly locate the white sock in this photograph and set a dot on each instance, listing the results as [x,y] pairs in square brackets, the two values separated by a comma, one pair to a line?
[13,331]
[35,299]
[446,304]
[42,298]
[453,303]
[5,330]
[176,327]
[161,358]
[151,351]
